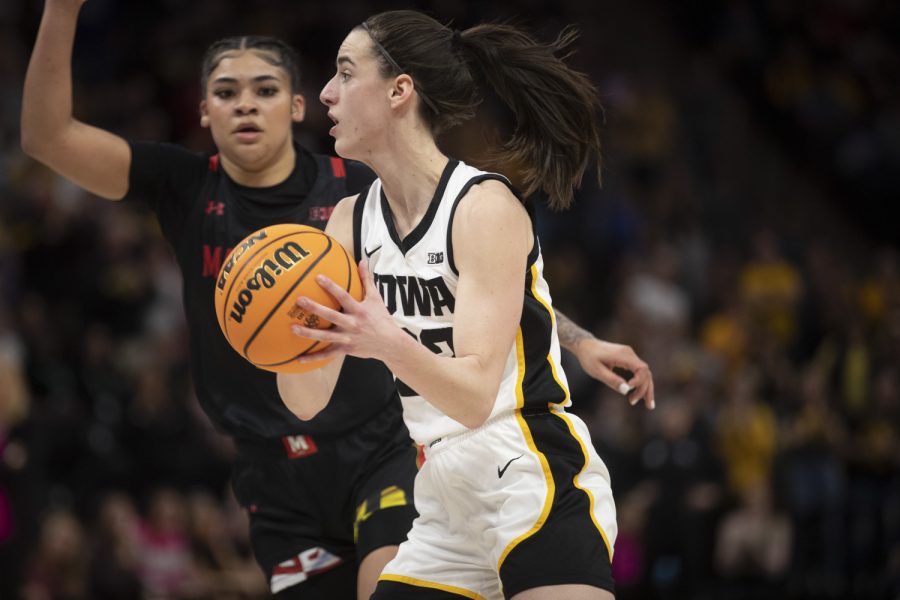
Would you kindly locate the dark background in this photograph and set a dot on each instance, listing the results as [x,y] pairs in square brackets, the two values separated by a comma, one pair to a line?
[743,243]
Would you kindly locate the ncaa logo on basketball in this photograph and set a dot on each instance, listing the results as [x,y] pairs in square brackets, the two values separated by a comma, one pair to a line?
[236,256]
[265,276]
[435,258]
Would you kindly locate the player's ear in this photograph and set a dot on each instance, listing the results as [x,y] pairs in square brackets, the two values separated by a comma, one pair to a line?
[298,108]
[401,90]
[204,115]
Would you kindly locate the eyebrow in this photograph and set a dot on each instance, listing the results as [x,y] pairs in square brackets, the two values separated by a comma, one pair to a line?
[257,79]
[345,59]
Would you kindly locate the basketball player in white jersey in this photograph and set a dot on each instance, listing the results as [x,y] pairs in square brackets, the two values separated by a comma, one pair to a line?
[513,500]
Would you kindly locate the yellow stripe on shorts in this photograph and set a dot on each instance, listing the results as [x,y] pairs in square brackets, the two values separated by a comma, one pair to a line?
[590,496]
[545,467]
[452,589]
[389,497]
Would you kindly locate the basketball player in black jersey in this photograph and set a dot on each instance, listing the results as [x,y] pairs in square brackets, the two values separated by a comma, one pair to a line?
[327,496]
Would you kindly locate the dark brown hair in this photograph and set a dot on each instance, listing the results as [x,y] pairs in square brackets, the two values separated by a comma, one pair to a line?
[557,114]
[276,51]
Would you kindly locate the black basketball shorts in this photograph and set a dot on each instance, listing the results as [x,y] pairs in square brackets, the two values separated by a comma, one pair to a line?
[319,505]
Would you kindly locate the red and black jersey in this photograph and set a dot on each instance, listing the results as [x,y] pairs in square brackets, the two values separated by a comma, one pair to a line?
[203,213]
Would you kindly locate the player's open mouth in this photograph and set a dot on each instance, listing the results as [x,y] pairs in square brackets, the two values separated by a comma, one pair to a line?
[248,132]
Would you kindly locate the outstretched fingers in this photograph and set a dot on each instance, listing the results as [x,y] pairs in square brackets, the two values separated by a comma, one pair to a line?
[641,384]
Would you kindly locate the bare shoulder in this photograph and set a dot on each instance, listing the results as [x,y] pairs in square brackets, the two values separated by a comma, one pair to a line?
[340,224]
[487,215]
[491,200]
[344,208]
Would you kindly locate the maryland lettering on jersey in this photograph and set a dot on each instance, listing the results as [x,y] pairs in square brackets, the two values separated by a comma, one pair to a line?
[212,259]
[414,295]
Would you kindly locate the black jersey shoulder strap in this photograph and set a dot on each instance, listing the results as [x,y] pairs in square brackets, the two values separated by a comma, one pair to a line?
[357,222]
[465,189]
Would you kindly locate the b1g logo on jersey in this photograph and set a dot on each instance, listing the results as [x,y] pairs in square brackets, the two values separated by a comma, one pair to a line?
[320,213]
[435,258]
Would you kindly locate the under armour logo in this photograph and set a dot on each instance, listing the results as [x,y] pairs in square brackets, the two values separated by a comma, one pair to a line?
[217,208]
[435,258]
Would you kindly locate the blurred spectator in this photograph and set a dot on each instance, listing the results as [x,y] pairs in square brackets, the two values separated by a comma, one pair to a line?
[746,435]
[116,553]
[679,462]
[164,557]
[753,546]
[225,569]
[629,566]
[771,288]
[814,483]
[58,568]
[15,397]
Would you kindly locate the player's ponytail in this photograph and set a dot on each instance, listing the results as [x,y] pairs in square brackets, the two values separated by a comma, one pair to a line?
[555,108]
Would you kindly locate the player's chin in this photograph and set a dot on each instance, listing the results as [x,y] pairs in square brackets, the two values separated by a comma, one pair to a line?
[344,149]
[248,156]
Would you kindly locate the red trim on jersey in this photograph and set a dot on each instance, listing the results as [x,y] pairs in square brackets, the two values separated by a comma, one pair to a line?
[214,163]
[337,167]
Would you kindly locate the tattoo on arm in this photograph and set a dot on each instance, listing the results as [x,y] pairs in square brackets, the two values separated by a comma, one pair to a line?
[570,334]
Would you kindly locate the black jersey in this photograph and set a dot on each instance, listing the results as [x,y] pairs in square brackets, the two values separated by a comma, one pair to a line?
[203,213]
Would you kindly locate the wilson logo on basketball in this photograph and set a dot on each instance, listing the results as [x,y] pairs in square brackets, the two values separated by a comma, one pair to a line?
[265,276]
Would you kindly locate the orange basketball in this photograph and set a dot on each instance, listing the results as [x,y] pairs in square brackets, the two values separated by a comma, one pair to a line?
[258,286]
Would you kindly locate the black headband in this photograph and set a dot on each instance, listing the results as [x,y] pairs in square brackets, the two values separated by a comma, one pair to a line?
[397,68]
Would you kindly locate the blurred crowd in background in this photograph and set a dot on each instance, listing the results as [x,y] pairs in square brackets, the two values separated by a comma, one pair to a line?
[740,243]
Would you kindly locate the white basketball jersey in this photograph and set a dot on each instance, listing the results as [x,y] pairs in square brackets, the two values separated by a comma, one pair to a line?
[417,279]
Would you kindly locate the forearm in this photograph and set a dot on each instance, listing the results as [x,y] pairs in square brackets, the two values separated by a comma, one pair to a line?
[306,394]
[47,94]
[462,387]
[570,334]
